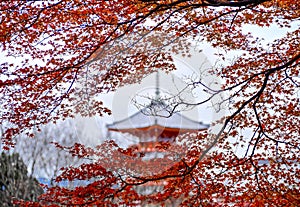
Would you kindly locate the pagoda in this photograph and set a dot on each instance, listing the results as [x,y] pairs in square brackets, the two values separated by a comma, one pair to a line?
[156,123]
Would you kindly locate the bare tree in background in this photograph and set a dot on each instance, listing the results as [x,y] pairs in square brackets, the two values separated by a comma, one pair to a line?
[36,158]
[41,156]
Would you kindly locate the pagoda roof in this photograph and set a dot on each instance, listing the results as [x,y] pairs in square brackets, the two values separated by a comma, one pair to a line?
[156,116]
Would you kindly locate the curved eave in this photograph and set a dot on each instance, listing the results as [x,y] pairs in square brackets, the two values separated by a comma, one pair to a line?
[158,128]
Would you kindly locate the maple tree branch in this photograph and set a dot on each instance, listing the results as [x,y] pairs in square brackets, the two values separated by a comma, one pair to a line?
[213,3]
[263,130]
[267,74]
[254,98]
[232,21]
[243,84]
[231,3]
[291,79]
[252,138]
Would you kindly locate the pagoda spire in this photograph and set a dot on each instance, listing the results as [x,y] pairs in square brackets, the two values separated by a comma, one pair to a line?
[157,90]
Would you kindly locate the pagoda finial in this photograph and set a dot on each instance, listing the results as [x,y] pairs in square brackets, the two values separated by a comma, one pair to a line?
[157,92]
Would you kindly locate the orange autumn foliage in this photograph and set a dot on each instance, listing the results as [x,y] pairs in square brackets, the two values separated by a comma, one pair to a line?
[59,55]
